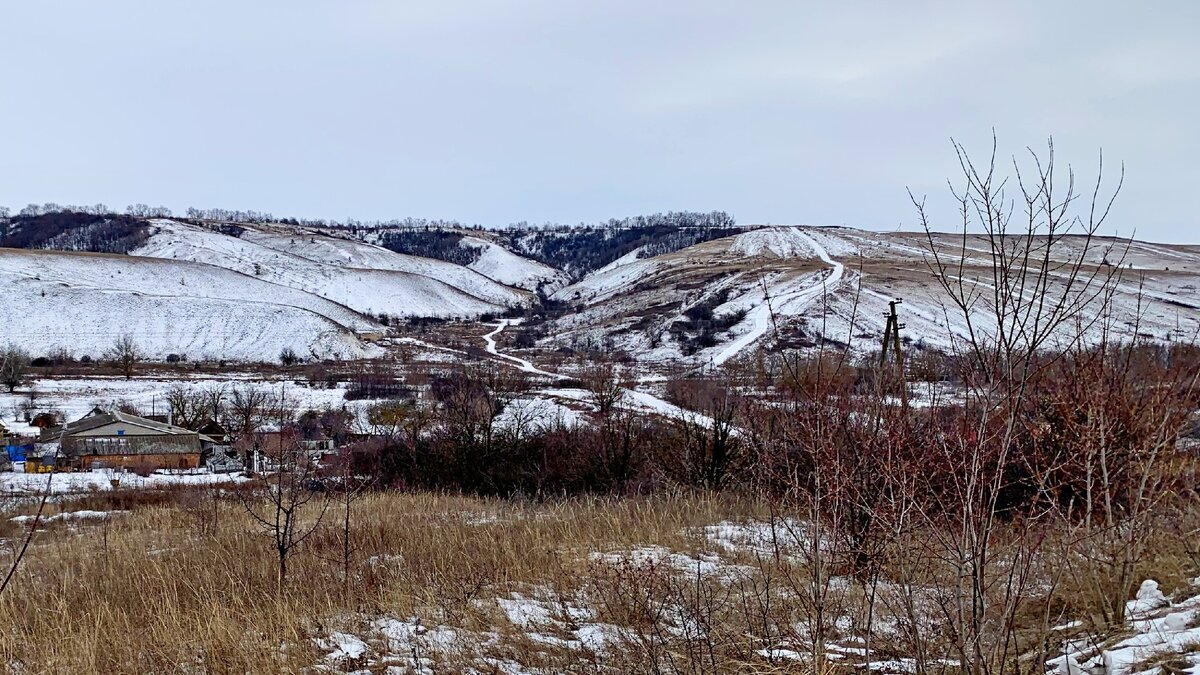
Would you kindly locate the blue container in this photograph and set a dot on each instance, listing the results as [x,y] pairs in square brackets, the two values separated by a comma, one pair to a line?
[17,453]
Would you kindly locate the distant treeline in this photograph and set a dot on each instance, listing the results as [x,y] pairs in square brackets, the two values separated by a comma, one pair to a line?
[74,231]
[575,249]
[582,249]
[440,244]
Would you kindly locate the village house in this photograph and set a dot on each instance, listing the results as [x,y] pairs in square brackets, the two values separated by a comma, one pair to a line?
[45,420]
[214,430]
[109,440]
[260,451]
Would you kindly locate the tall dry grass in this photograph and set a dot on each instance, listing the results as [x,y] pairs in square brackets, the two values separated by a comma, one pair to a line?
[188,585]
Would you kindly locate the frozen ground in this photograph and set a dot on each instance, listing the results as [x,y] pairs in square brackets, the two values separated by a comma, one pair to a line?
[74,398]
[631,399]
[1160,633]
[489,341]
[86,481]
[535,414]
[69,516]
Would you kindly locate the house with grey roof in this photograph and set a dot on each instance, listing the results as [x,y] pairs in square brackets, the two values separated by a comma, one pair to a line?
[113,439]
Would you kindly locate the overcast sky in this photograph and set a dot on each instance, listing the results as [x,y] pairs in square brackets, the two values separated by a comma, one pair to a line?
[573,110]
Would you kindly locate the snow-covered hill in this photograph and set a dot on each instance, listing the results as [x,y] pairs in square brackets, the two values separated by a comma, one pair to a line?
[506,267]
[213,290]
[794,285]
[358,255]
[82,302]
[363,277]
[620,276]
[219,291]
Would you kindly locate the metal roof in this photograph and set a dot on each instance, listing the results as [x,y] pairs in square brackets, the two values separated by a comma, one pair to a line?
[99,419]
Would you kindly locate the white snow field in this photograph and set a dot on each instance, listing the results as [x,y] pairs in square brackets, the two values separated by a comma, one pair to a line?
[205,293]
[75,397]
[81,302]
[366,278]
[614,279]
[344,252]
[17,483]
[498,263]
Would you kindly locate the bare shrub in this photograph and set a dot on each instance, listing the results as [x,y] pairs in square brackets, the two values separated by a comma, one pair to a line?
[125,355]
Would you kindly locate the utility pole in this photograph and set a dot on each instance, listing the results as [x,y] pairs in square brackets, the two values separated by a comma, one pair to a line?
[891,337]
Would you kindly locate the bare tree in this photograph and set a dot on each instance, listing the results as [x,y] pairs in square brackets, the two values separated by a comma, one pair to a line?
[1039,269]
[623,434]
[278,504]
[287,356]
[472,397]
[604,383]
[349,489]
[185,406]
[1032,287]
[14,362]
[212,402]
[125,354]
[1116,436]
[247,408]
[711,450]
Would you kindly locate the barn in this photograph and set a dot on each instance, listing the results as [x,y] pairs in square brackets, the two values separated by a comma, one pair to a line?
[113,439]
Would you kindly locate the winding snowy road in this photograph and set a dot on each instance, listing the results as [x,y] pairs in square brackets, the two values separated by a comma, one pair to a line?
[490,344]
[785,303]
[631,399]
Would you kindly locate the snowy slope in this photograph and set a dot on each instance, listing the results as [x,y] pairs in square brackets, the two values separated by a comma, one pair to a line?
[615,278]
[82,302]
[801,284]
[506,267]
[372,291]
[792,299]
[775,242]
[350,253]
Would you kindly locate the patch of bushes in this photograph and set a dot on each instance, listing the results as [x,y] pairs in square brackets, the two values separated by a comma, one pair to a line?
[74,231]
[582,249]
[430,243]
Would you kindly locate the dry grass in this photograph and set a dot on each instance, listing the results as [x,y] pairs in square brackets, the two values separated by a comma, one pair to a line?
[187,585]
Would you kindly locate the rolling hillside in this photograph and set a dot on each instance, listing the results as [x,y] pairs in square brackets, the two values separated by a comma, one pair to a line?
[365,278]
[507,267]
[82,301]
[220,290]
[797,286]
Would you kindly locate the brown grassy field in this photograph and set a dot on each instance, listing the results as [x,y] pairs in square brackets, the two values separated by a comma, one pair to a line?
[189,586]
[442,583]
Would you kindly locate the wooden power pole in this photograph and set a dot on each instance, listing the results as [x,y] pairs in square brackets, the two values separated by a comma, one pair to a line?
[891,337]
